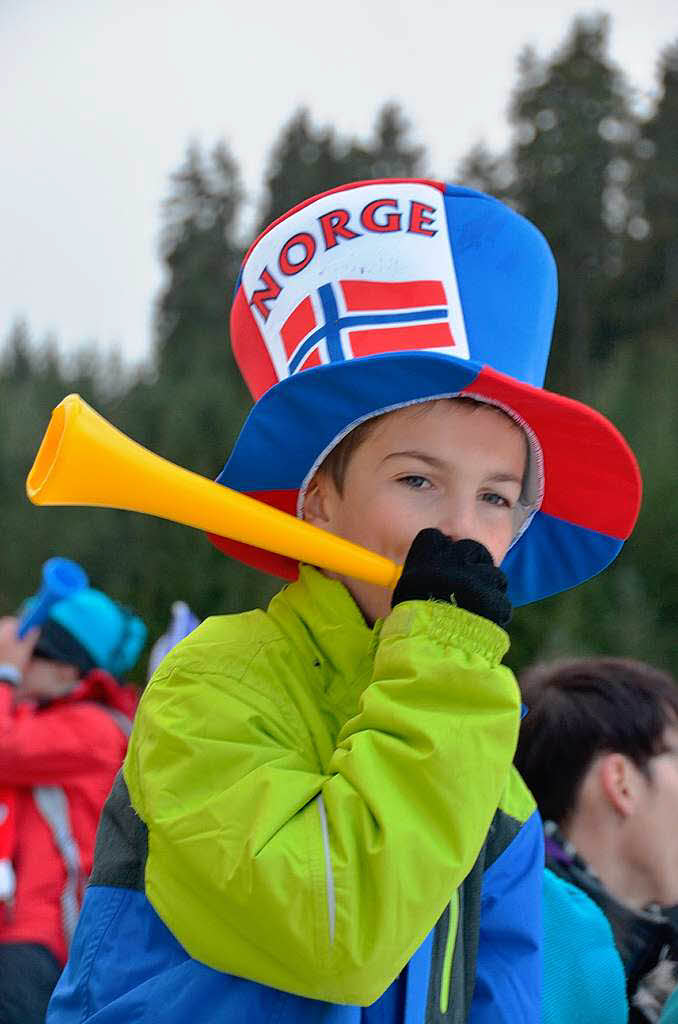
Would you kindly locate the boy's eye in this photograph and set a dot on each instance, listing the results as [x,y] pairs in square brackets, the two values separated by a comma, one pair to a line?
[417,483]
[492,498]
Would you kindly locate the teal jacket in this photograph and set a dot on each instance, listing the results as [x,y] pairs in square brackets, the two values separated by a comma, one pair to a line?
[670,1011]
[307,797]
[604,961]
[584,981]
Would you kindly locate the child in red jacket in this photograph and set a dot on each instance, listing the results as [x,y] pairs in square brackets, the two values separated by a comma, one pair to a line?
[64,723]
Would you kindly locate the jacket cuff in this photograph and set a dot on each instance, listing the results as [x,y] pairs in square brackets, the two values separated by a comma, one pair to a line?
[9,673]
[448,626]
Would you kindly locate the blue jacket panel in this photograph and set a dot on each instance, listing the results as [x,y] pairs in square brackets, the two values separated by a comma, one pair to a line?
[509,969]
[158,983]
[125,965]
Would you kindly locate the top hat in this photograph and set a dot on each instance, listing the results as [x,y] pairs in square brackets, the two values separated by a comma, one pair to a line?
[380,294]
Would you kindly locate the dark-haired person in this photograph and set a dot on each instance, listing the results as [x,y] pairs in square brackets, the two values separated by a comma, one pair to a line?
[64,724]
[599,750]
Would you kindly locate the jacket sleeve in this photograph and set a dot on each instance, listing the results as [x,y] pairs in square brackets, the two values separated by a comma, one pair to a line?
[323,882]
[51,746]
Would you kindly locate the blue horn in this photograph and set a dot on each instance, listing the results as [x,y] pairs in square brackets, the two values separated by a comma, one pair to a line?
[60,578]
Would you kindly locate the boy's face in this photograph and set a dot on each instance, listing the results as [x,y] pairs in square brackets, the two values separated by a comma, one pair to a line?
[452,465]
[47,680]
[651,840]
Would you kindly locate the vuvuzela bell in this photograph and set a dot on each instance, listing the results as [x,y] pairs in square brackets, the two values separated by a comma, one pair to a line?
[84,460]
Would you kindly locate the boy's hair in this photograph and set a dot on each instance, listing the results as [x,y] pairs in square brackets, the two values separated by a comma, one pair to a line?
[58,644]
[335,464]
[584,707]
[337,461]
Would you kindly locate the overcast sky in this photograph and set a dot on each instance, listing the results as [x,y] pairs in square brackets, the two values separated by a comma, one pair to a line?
[101,97]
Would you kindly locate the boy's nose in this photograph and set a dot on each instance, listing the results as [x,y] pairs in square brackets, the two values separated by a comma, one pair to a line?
[458,523]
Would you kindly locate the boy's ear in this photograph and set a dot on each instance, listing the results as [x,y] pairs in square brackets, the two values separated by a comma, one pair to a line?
[619,779]
[317,503]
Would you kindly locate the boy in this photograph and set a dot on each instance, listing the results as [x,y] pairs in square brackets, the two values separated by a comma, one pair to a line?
[64,723]
[318,819]
[599,750]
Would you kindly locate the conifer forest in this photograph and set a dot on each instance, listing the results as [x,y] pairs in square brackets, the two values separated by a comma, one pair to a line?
[599,180]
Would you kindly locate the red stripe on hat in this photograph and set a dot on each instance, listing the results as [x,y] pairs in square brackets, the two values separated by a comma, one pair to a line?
[258,558]
[370,296]
[249,349]
[591,475]
[394,339]
[298,325]
[310,361]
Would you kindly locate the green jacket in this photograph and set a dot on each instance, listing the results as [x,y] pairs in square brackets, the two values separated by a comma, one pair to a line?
[315,791]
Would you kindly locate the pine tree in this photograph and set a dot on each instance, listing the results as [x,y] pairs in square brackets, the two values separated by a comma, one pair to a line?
[568,169]
[571,160]
[391,154]
[202,256]
[307,160]
[191,408]
[649,295]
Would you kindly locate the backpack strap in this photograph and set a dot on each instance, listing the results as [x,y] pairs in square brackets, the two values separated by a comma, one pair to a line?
[52,804]
[120,718]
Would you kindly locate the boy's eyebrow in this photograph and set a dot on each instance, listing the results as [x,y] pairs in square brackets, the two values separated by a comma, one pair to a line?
[431,460]
[505,478]
[498,477]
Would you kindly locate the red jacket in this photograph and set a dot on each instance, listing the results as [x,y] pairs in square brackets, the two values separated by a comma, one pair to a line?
[76,743]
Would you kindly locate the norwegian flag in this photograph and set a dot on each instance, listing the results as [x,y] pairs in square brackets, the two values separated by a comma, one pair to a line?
[362,318]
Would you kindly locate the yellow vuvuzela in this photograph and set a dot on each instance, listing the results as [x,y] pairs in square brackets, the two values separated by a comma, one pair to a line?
[84,460]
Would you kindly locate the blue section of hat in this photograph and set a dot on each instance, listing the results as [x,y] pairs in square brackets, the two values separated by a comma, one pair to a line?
[507,282]
[112,635]
[298,419]
[553,555]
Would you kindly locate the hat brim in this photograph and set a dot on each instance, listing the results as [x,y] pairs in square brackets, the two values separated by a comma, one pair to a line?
[592,485]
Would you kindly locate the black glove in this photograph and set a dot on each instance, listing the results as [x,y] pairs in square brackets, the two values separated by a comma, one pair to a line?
[460,570]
